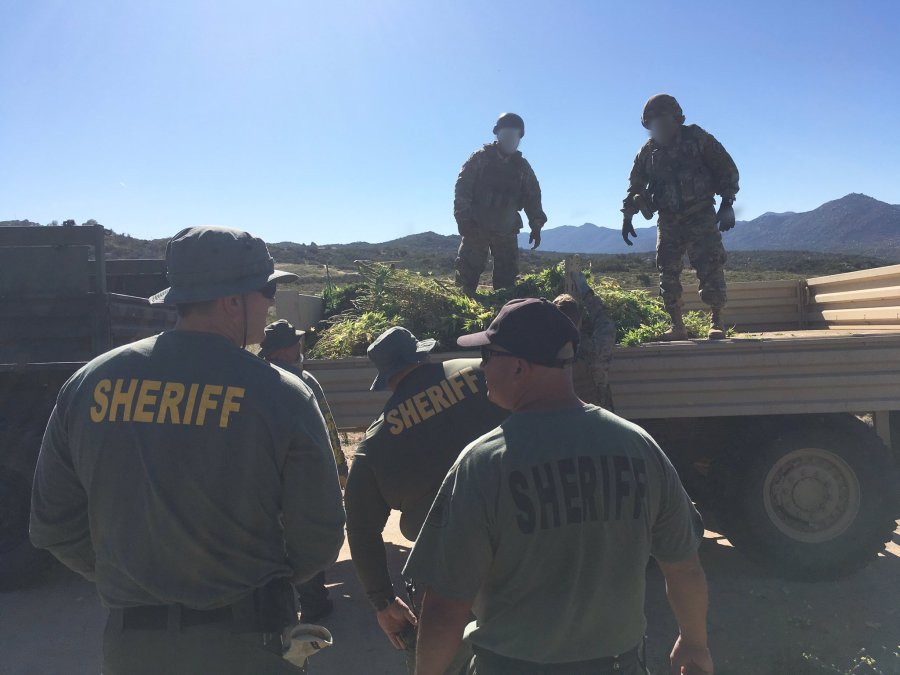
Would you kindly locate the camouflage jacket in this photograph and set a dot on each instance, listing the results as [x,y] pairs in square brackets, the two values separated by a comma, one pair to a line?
[491,190]
[680,176]
[590,372]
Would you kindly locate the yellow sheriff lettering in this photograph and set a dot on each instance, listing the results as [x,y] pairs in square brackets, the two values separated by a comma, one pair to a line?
[432,401]
[393,418]
[122,398]
[146,397]
[101,389]
[231,404]
[172,395]
[207,403]
[189,406]
[172,403]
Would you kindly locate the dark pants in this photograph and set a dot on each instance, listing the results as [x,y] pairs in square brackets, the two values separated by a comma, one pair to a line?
[194,650]
[313,595]
[489,663]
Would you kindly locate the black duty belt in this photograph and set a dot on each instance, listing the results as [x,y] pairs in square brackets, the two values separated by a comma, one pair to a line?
[267,609]
[493,661]
[161,617]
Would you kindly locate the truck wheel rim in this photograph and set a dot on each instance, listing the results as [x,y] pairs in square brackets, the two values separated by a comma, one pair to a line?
[811,495]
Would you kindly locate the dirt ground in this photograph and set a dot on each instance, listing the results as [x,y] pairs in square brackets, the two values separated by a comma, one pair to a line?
[758,625]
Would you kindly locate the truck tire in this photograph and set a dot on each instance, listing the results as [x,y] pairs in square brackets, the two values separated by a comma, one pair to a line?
[816,502]
[20,562]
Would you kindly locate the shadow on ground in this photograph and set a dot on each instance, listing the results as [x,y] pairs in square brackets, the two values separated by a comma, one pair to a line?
[759,625]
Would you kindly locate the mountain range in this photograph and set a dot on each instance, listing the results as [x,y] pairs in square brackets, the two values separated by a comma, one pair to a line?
[855,223]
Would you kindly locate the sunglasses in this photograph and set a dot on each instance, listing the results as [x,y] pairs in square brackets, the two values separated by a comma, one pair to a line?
[487,354]
[268,291]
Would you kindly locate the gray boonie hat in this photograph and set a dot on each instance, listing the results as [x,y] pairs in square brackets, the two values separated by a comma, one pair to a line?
[279,334]
[393,350]
[205,263]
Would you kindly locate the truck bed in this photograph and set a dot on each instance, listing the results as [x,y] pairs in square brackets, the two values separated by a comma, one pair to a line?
[784,372]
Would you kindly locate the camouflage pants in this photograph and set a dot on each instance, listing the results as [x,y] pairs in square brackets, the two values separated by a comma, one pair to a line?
[696,234]
[473,254]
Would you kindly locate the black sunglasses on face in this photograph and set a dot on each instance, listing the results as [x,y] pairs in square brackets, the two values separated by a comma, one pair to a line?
[268,291]
[487,354]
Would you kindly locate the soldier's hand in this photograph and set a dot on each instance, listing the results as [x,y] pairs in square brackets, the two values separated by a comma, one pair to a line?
[725,217]
[628,229]
[394,620]
[535,239]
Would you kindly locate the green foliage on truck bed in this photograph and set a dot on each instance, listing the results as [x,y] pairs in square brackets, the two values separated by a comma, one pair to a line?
[434,308]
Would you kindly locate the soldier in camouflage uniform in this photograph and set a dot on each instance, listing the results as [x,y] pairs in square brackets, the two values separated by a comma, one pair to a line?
[677,173]
[494,184]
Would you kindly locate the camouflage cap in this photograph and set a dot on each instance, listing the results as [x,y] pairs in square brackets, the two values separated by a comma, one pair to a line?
[393,350]
[205,263]
[661,104]
[279,334]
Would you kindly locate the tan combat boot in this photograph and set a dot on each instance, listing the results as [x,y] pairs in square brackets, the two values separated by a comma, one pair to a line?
[678,331]
[716,327]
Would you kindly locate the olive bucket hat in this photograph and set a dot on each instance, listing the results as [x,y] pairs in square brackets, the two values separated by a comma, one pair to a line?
[205,263]
[279,334]
[393,350]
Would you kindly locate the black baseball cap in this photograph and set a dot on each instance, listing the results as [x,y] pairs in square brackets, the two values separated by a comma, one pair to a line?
[533,329]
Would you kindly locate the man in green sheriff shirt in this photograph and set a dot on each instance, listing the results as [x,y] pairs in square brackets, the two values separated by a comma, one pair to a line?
[544,526]
[283,347]
[191,480]
[434,411]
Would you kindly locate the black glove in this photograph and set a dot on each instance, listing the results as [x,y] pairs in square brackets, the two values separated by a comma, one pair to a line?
[725,217]
[535,238]
[628,228]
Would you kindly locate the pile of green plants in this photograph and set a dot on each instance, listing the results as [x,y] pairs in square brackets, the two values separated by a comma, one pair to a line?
[434,308]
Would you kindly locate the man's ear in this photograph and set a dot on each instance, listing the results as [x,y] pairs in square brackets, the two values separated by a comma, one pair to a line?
[522,368]
[231,305]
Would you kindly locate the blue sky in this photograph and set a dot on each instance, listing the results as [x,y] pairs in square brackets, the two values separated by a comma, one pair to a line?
[343,121]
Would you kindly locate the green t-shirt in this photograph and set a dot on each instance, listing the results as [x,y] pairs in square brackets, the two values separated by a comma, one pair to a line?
[547,524]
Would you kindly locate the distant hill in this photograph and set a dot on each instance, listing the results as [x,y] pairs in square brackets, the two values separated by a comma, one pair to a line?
[851,233]
[856,223]
[17,223]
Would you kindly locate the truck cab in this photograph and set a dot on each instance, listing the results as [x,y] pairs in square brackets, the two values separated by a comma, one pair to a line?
[62,302]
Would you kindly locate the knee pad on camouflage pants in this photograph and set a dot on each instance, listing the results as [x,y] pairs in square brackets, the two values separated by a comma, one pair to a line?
[707,256]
